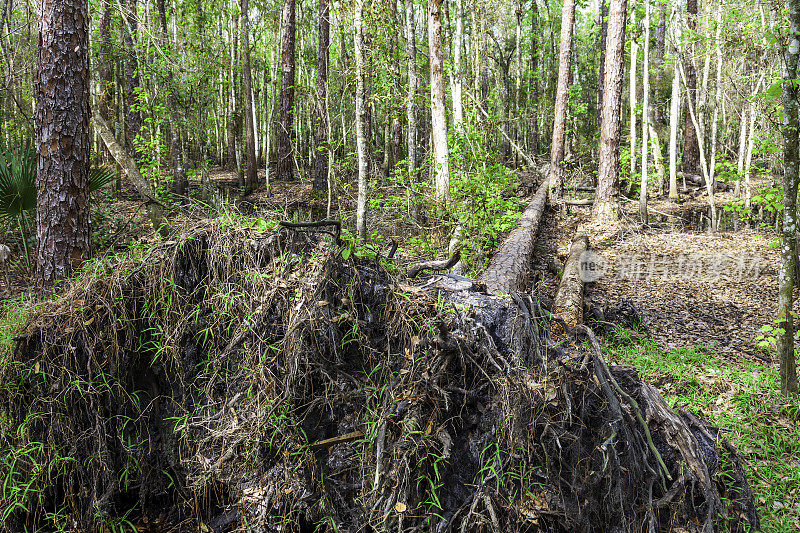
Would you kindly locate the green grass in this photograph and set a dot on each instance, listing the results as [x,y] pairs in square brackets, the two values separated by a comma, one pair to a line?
[742,398]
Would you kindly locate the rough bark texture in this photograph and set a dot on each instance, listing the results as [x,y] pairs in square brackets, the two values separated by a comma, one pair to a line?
[62,139]
[508,271]
[791,164]
[562,99]
[674,107]
[251,172]
[361,124]
[154,208]
[569,298]
[606,204]
[691,148]
[441,156]
[285,168]
[133,118]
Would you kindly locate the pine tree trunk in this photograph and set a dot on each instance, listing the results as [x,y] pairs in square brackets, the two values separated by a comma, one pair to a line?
[562,100]
[441,154]
[251,171]
[691,149]
[791,164]
[321,152]
[606,205]
[62,138]
[285,168]
[362,125]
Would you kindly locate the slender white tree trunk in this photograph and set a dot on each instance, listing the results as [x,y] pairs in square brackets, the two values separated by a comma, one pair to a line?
[717,96]
[361,125]
[632,88]
[750,145]
[457,77]
[645,113]
[441,155]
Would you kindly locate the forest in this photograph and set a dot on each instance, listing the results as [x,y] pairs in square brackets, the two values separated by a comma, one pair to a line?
[399,265]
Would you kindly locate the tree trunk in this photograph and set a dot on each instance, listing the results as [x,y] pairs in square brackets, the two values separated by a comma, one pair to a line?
[606,205]
[674,109]
[251,172]
[361,124]
[632,97]
[562,100]
[748,160]
[717,96]
[645,113]
[661,34]
[441,154]
[534,89]
[691,149]
[62,138]
[321,153]
[285,168]
[791,162]
[411,103]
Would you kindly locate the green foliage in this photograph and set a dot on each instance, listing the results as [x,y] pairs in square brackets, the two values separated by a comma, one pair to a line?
[484,197]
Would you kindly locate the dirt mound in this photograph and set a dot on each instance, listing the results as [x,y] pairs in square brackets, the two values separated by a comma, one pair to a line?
[237,380]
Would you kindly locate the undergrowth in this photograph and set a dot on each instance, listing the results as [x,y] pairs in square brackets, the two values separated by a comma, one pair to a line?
[741,397]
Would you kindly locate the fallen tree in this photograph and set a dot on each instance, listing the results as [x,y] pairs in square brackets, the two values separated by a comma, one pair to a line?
[509,268]
[232,380]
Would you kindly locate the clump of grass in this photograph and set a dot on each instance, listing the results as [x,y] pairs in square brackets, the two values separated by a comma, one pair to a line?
[741,397]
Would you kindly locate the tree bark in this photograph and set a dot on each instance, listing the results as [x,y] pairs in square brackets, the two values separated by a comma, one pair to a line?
[562,100]
[645,114]
[606,206]
[791,166]
[441,154]
[321,153]
[62,137]
[411,103]
[632,97]
[568,303]
[534,89]
[661,34]
[691,149]
[361,124]
[285,167]
[251,171]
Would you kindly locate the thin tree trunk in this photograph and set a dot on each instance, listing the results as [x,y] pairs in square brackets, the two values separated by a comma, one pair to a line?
[321,152]
[632,97]
[717,96]
[661,34]
[411,103]
[606,205]
[645,113]
[63,234]
[674,110]
[748,160]
[285,168]
[791,164]
[534,89]
[561,101]
[251,172]
[361,124]
[441,154]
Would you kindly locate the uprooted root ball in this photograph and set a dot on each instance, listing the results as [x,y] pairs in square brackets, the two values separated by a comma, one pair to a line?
[240,381]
